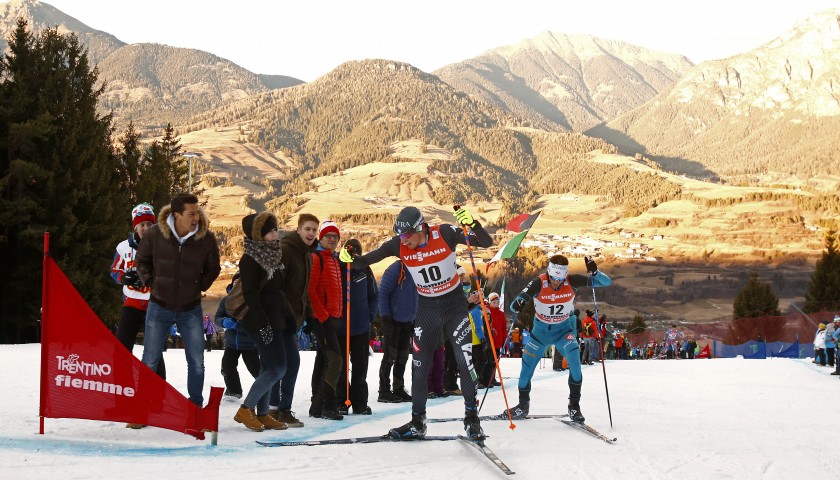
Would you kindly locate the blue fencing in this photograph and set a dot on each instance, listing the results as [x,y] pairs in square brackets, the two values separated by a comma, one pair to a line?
[760,350]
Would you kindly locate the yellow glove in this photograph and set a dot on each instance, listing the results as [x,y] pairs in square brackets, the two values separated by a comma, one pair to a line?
[464,217]
[344,255]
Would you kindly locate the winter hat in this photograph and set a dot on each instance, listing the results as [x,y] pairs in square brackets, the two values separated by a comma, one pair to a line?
[822,326]
[461,270]
[836,318]
[143,212]
[256,225]
[492,296]
[354,246]
[328,226]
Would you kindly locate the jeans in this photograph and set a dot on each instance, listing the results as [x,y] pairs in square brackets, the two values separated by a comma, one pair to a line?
[158,322]
[272,369]
[283,392]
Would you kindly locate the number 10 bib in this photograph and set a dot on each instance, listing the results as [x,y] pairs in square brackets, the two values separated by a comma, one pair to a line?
[433,266]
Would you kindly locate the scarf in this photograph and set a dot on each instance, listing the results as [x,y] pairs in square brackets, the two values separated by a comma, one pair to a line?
[266,254]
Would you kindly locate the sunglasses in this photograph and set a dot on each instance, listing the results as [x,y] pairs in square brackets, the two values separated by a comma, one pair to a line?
[407,235]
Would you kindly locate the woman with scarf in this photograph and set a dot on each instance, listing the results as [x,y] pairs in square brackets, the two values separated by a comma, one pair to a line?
[261,275]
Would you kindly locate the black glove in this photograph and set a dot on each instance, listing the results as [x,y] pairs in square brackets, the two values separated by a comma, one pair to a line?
[387,322]
[131,277]
[517,304]
[334,323]
[591,266]
[267,334]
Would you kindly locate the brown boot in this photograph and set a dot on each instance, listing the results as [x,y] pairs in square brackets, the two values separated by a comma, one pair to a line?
[271,423]
[247,417]
[287,417]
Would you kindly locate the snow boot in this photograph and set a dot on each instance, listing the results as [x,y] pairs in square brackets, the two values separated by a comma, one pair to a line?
[472,425]
[520,411]
[416,428]
[574,403]
[271,423]
[386,396]
[247,417]
[402,394]
[287,417]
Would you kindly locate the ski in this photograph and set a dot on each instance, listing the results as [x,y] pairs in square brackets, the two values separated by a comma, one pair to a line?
[481,447]
[501,416]
[352,440]
[587,429]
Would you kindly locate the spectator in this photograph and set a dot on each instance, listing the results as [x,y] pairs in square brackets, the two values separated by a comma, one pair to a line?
[209,333]
[326,298]
[819,345]
[516,339]
[364,297]
[261,271]
[135,293]
[830,344]
[397,309]
[589,337]
[297,248]
[480,344]
[178,259]
[237,343]
[499,331]
[836,350]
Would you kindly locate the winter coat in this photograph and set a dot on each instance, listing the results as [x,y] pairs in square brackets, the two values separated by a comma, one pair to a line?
[325,286]
[499,323]
[235,338]
[819,339]
[124,261]
[830,341]
[177,274]
[297,267]
[364,296]
[397,294]
[477,322]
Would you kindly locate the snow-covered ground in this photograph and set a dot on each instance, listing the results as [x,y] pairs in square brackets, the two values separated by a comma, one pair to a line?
[678,419]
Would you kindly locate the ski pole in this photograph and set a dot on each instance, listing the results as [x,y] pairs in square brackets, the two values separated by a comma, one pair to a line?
[601,345]
[347,335]
[487,325]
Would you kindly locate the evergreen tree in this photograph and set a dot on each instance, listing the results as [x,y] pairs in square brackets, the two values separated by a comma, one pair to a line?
[824,288]
[637,325]
[59,174]
[753,312]
[131,164]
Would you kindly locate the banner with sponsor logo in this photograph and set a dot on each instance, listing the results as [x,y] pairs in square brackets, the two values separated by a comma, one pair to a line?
[86,373]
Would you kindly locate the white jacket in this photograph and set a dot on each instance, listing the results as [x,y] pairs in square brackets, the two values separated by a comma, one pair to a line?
[819,339]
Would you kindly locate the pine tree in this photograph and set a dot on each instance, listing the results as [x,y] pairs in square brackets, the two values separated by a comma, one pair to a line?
[824,288]
[59,174]
[637,325]
[131,164]
[756,312]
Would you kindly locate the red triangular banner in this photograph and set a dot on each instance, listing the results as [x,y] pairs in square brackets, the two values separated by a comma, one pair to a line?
[86,373]
[705,353]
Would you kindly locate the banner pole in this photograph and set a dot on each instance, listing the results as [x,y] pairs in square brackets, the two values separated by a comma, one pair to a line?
[44,284]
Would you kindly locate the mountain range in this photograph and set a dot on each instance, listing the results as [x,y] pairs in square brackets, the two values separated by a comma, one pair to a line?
[501,117]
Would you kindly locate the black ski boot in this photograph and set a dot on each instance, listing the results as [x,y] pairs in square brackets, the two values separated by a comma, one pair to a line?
[414,429]
[520,411]
[472,425]
[574,403]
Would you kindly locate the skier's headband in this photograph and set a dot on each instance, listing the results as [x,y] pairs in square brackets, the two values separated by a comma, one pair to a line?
[557,272]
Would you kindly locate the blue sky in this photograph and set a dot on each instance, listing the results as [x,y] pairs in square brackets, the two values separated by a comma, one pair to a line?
[306,39]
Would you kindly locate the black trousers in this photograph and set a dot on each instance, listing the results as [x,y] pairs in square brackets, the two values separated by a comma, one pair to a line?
[395,350]
[230,364]
[328,365]
[132,322]
[359,359]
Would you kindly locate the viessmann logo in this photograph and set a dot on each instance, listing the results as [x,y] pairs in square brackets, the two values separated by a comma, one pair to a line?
[74,367]
[554,297]
[421,255]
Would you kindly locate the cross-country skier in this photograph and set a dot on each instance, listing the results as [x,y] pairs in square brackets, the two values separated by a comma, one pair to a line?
[428,253]
[554,323]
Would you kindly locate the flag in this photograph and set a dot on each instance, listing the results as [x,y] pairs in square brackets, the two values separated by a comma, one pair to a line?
[509,249]
[86,373]
[502,296]
[705,353]
[522,222]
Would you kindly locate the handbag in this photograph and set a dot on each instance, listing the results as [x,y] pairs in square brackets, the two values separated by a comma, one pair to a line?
[235,303]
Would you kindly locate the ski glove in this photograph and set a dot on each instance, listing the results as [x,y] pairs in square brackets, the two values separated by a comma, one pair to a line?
[229,323]
[131,277]
[464,217]
[267,334]
[344,255]
[591,266]
[517,304]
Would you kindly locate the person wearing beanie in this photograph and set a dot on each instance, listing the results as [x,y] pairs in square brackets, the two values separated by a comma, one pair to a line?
[326,298]
[135,293]
[830,344]
[428,252]
[819,345]
[178,259]
[261,276]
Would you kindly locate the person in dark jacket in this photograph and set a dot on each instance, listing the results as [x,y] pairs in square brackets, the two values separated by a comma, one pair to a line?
[363,305]
[237,343]
[261,273]
[397,309]
[178,259]
[297,250]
